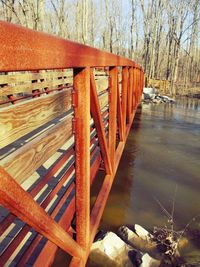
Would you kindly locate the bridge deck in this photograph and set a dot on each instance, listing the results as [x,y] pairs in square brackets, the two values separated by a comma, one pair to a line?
[65,113]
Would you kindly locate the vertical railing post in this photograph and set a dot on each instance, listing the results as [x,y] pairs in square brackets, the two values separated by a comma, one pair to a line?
[130,92]
[140,84]
[119,112]
[113,72]
[124,97]
[135,84]
[142,80]
[81,96]
[134,91]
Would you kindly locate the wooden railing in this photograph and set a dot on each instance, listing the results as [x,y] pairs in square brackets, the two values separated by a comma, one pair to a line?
[65,113]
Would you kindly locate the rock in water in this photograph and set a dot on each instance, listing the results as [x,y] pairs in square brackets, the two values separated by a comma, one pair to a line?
[140,239]
[111,251]
[148,261]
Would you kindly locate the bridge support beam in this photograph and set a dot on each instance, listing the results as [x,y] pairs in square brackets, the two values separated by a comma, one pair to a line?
[82,150]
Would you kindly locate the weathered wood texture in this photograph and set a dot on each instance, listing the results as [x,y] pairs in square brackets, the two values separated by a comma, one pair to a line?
[20,119]
[24,161]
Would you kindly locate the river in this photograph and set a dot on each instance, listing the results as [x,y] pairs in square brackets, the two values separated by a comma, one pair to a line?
[160,171]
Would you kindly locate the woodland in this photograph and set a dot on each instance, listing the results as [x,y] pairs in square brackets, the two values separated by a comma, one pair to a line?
[161,35]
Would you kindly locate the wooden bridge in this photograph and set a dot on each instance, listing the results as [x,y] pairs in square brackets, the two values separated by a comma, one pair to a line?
[65,113]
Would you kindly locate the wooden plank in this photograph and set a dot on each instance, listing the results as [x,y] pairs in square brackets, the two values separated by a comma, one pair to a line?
[22,118]
[103,100]
[25,49]
[28,87]
[82,150]
[24,161]
[101,84]
[50,248]
[34,215]
[124,97]
[13,78]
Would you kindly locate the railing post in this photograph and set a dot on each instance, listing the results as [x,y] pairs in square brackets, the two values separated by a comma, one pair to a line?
[133,91]
[130,92]
[113,72]
[140,83]
[124,97]
[137,86]
[82,153]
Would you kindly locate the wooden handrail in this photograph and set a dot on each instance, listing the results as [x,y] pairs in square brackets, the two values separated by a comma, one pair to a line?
[31,50]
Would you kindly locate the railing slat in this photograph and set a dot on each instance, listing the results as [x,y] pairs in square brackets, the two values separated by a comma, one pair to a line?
[21,119]
[25,160]
[119,112]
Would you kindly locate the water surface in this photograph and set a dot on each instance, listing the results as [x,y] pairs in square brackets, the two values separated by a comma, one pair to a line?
[160,166]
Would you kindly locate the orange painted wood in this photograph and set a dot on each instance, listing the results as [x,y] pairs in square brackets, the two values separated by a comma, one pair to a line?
[124,97]
[96,114]
[31,50]
[113,72]
[134,88]
[82,150]
[119,112]
[130,95]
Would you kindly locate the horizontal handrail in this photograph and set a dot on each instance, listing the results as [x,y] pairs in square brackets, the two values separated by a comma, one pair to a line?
[31,50]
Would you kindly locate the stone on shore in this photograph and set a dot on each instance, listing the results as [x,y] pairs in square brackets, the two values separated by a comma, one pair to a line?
[151,95]
[112,251]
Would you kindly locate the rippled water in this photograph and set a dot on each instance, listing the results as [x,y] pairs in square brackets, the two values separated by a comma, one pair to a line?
[160,164]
